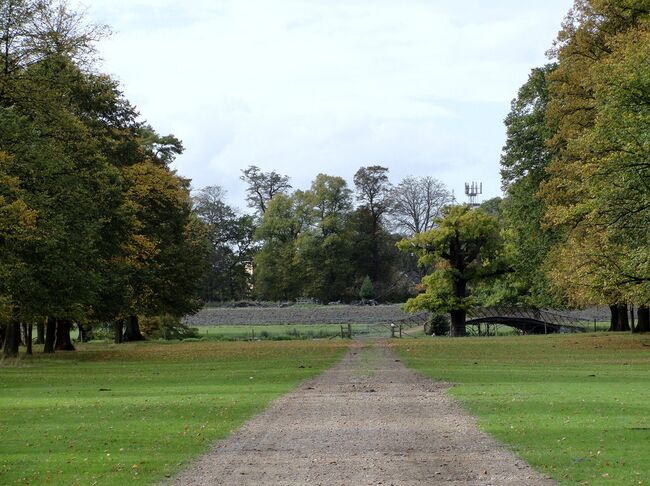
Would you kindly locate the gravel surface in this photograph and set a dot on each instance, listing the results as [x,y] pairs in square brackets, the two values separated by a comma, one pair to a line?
[368,420]
[331,314]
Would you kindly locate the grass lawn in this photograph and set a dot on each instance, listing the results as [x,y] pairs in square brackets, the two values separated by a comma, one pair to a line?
[109,414]
[577,407]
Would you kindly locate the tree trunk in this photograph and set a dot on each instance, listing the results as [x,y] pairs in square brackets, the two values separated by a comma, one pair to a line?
[3,330]
[132,331]
[25,336]
[375,250]
[12,340]
[643,322]
[85,333]
[118,328]
[458,327]
[632,317]
[29,329]
[40,332]
[63,341]
[624,322]
[613,320]
[50,334]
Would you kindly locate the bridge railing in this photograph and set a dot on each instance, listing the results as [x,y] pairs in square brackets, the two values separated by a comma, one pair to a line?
[529,314]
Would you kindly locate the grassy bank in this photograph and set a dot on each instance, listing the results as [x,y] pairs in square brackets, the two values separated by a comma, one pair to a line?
[114,414]
[575,406]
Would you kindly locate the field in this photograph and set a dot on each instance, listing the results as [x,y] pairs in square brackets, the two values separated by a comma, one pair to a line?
[576,407]
[297,314]
[110,414]
[319,321]
[294,322]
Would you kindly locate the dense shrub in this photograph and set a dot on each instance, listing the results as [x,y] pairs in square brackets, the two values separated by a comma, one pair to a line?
[438,325]
[166,327]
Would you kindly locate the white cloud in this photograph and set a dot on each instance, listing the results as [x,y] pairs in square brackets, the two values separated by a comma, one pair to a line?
[329,85]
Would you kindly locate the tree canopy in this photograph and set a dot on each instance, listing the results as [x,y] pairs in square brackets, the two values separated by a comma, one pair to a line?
[465,249]
[597,185]
[96,225]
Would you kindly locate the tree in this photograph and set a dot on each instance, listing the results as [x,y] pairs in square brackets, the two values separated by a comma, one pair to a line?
[526,154]
[167,250]
[73,155]
[324,246]
[14,14]
[70,185]
[17,222]
[373,189]
[331,202]
[367,290]
[209,203]
[232,246]
[493,207]
[417,202]
[49,128]
[34,30]
[524,161]
[597,186]
[162,149]
[278,275]
[464,249]
[262,187]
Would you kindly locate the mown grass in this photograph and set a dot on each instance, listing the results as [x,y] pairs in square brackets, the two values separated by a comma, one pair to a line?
[112,415]
[577,407]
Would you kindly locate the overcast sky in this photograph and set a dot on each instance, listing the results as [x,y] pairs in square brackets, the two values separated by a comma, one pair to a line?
[310,86]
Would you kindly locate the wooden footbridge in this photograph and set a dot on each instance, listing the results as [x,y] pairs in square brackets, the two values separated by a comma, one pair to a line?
[526,320]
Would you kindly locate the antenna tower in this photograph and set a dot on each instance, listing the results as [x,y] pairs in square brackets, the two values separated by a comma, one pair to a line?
[472,191]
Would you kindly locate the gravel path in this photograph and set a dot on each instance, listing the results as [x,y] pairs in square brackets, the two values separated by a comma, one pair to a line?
[368,420]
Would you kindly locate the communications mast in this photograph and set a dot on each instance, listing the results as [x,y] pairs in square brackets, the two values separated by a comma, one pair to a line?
[473,190]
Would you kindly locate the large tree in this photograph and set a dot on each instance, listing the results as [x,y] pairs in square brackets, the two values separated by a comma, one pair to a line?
[167,249]
[68,181]
[17,223]
[373,192]
[71,145]
[465,249]
[524,161]
[597,185]
[232,246]
[324,248]
[278,274]
[308,244]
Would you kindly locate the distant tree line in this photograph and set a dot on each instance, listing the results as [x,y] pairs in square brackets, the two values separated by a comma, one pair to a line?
[320,243]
